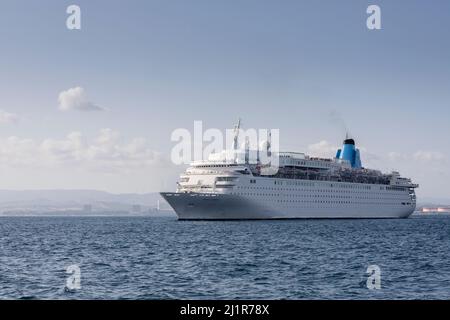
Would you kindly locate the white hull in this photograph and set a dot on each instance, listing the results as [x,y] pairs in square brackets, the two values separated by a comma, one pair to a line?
[206,206]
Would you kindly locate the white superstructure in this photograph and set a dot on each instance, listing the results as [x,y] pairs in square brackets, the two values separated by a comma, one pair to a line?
[304,187]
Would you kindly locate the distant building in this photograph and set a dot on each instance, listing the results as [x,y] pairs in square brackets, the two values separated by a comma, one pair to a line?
[87,208]
[136,208]
[436,210]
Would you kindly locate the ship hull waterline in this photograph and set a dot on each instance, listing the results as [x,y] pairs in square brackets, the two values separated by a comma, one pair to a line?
[210,206]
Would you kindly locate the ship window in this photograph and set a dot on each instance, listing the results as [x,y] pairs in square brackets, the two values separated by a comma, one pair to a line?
[226,178]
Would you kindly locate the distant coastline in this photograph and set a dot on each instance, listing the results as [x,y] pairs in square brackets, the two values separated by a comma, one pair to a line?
[80,203]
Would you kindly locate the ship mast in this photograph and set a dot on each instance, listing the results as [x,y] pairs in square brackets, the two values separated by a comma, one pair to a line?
[236,134]
[236,139]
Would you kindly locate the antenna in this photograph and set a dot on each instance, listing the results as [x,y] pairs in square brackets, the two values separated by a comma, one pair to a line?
[236,134]
[247,151]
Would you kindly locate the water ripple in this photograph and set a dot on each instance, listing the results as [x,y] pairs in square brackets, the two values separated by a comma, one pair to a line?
[162,258]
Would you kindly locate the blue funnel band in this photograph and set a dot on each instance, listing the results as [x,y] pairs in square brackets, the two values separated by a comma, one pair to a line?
[348,153]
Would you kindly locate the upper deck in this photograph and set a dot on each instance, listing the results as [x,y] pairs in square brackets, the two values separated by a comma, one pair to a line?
[345,167]
[296,166]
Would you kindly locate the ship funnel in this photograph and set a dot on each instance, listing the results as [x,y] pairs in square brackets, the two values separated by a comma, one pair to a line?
[350,153]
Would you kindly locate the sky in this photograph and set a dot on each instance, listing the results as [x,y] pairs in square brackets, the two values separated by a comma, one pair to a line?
[95,108]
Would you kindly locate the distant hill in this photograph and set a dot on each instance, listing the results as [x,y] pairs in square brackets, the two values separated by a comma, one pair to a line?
[432,201]
[94,201]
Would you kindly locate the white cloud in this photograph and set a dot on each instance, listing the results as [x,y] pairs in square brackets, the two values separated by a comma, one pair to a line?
[429,156]
[7,117]
[15,151]
[419,156]
[76,99]
[322,149]
[106,153]
[397,156]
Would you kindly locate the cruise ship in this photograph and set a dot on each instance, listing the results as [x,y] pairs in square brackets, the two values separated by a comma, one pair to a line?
[303,187]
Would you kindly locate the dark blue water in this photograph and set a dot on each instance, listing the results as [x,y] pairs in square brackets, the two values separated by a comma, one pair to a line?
[162,258]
